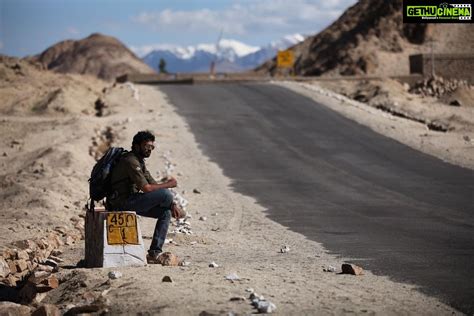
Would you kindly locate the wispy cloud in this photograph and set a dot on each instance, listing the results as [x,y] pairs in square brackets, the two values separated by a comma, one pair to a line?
[72,30]
[248,17]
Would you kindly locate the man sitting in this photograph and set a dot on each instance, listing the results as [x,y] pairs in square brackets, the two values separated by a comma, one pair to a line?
[134,189]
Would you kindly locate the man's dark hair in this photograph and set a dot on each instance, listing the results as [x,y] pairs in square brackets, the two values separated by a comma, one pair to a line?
[142,136]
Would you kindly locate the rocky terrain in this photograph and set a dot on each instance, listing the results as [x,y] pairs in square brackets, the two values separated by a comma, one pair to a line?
[371,39]
[230,250]
[99,55]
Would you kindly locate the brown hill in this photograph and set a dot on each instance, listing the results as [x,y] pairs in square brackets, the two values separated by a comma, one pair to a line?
[27,89]
[370,38]
[99,55]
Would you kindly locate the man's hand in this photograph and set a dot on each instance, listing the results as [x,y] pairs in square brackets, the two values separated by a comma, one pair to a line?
[176,211]
[170,182]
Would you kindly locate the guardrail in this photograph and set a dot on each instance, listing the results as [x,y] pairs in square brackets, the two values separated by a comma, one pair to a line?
[202,78]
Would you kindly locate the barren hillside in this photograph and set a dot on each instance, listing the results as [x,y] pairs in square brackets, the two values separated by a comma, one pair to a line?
[370,38]
[99,55]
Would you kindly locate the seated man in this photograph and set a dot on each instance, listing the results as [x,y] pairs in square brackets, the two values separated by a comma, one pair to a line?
[134,189]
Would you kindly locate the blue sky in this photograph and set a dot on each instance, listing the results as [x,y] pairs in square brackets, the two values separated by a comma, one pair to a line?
[28,27]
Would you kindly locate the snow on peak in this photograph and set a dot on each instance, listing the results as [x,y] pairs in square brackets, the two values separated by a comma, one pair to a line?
[239,48]
[287,41]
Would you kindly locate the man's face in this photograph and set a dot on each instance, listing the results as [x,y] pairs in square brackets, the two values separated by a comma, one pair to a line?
[146,148]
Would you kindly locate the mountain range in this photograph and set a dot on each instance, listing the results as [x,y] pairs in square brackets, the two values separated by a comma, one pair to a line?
[228,55]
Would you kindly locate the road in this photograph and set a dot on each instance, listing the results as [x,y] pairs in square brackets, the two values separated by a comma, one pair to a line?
[391,209]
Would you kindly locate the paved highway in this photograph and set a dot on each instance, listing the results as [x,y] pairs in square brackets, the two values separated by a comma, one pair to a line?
[393,210]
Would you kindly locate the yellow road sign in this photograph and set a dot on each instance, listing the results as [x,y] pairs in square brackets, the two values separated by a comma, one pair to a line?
[122,228]
[285,59]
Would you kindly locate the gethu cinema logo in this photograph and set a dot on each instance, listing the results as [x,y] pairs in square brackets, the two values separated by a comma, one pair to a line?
[446,11]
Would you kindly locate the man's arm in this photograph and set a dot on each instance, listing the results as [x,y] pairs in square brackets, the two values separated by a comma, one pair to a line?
[169,183]
[138,177]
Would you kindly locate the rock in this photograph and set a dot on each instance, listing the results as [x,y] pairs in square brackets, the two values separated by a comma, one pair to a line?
[237,299]
[39,275]
[4,268]
[25,244]
[455,103]
[351,269]
[42,267]
[47,284]
[250,290]
[52,263]
[9,254]
[85,309]
[21,265]
[285,249]
[167,278]
[56,252]
[265,307]
[90,296]
[466,138]
[438,126]
[69,240]
[184,263]
[99,107]
[55,259]
[255,296]
[168,259]
[12,266]
[196,191]
[213,265]
[232,277]
[329,269]
[203,218]
[61,229]
[11,280]
[39,298]
[47,310]
[115,275]
[9,308]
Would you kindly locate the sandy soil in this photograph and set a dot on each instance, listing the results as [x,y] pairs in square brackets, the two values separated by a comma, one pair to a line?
[44,183]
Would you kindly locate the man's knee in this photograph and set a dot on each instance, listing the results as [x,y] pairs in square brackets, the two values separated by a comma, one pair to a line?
[166,198]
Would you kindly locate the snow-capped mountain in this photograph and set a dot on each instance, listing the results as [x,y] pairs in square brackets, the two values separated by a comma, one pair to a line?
[229,55]
[257,58]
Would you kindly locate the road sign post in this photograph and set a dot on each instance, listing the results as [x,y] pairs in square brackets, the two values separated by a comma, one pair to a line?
[285,60]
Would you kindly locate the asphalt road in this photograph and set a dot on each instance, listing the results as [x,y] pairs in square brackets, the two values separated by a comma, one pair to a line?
[393,210]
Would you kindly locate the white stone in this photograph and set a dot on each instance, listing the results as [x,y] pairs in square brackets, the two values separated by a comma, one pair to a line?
[115,275]
[266,307]
[4,268]
[213,265]
[232,277]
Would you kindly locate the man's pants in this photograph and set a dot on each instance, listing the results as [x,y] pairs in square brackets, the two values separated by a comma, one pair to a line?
[155,204]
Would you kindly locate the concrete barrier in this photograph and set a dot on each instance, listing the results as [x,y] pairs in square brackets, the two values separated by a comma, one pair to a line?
[113,239]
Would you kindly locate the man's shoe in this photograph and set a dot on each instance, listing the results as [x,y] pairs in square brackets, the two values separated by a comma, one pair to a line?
[153,257]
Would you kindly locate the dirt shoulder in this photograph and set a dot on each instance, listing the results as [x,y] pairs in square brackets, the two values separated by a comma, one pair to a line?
[236,234]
